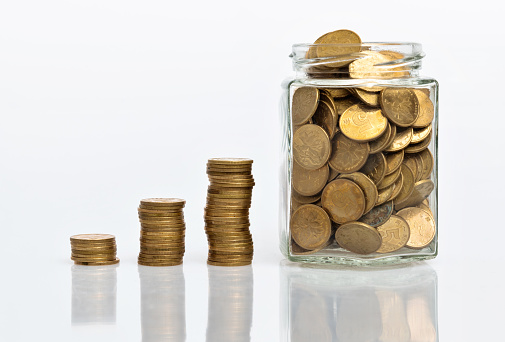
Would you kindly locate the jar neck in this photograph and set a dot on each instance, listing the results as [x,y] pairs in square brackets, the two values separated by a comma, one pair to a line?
[381,61]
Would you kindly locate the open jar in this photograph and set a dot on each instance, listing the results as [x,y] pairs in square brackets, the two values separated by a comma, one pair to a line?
[359,166]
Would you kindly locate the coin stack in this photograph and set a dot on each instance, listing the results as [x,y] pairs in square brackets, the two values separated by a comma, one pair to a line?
[94,249]
[362,166]
[162,231]
[227,211]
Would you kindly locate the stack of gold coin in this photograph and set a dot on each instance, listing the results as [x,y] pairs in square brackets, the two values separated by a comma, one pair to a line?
[162,231]
[227,211]
[94,249]
[362,164]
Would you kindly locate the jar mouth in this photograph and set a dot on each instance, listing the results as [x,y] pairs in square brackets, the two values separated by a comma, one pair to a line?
[367,60]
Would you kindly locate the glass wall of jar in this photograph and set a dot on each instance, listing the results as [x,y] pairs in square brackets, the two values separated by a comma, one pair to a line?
[359,166]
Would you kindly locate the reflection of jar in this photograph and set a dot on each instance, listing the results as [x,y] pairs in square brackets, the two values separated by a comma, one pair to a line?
[359,173]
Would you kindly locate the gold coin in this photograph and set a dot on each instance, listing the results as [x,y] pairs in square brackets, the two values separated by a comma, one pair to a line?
[311,147]
[163,202]
[427,162]
[309,182]
[305,101]
[297,250]
[422,190]
[325,96]
[408,184]
[388,180]
[326,117]
[347,155]
[425,207]
[426,109]
[305,199]
[343,104]
[362,123]
[229,264]
[378,215]
[333,175]
[422,227]
[367,186]
[358,237]
[343,42]
[375,167]
[97,263]
[370,98]
[343,200]
[367,66]
[310,226]
[90,238]
[230,162]
[393,161]
[337,92]
[397,187]
[400,105]
[420,134]
[374,89]
[384,194]
[410,161]
[394,233]
[380,144]
[391,136]
[415,148]
[402,139]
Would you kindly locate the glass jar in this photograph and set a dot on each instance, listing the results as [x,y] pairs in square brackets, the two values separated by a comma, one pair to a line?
[359,164]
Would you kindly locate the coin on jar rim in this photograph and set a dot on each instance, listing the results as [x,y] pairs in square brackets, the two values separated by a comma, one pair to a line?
[375,167]
[343,42]
[367,186]
[400,105]
[347,155]
[426,109]
[362,123]
[343,200]
[305,101]
[309,182]
[358,237]
[422,227]
[394,233]
[311,147]
[310,226]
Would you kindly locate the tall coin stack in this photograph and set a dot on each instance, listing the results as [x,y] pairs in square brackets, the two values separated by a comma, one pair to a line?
[93,249]
[227,211]
[162,231]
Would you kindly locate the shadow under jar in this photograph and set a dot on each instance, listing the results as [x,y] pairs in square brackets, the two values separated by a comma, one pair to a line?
[359,165]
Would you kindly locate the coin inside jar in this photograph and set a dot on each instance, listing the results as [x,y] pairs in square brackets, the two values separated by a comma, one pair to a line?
[347,155]
[394,233]
[422,227]
[309,182]
[310,226]
[367,186]
[400,105]
[343,200]
[311,147]
[362,123]
[305,101]
[358,237]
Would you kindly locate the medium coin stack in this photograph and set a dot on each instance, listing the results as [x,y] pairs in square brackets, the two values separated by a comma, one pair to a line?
[162,231]
[227,211]
[362,165]
[94,249]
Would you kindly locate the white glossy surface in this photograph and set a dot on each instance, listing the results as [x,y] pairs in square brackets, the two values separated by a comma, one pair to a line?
[104,102]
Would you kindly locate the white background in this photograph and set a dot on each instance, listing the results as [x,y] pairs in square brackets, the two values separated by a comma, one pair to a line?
[107,102]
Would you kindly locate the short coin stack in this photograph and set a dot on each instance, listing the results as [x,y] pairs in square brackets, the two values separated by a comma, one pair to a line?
[227,211]
[93,249]
[162,231]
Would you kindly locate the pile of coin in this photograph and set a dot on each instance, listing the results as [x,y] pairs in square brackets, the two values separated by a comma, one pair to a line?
[94,249]
[362,166]
[162,231]
[227,211]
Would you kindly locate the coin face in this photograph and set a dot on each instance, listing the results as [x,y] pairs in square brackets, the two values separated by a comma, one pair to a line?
[400,105]
[375,167]
[347,155]
[311,147]
[421,224]
[309,182]
[358,237]
[350,41]
[426,109]
[422,190]
[380,144]
[310,226]
[408,183]
[393,161]
[343,200]
[305,101]
[394,233]
[427,163]
[361,123]
[378,215]
[325,117]
[402,139]
[367,186]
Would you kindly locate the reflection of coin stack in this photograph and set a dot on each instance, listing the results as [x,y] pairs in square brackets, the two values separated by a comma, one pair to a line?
[93,249]
[162,231]
[163,314]
[93,294]
[227,211]
[230,304]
